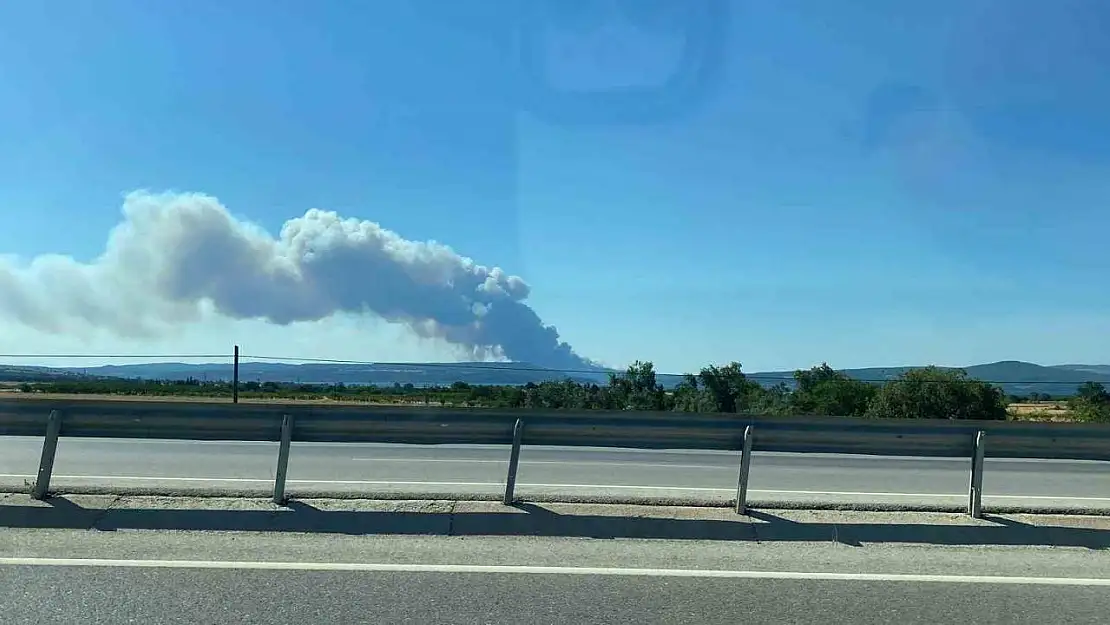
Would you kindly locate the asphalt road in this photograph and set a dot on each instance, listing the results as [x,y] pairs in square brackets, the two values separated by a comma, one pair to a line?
[372,468]
[115,595]
[262,578]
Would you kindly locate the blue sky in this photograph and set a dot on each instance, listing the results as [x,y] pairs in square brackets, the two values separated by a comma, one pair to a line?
[879,183]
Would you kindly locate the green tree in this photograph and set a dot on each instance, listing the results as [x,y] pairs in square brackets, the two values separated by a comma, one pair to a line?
[637,388]
[480,394]
[824,391]
[1091,403]
[934,393]
[774,401]
[1093,392]
[728,388]
[688,396]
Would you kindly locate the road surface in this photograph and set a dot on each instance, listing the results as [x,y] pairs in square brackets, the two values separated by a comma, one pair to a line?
[128,595]
[59,576]
[372,468]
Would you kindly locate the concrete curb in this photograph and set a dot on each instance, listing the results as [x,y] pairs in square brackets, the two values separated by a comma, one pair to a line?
[456,518]
[687,502]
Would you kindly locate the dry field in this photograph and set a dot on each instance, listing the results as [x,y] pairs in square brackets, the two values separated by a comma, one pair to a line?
[203,400]
[1041,411]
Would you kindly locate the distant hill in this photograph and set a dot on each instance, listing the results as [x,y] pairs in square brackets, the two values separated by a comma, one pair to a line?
[1103,369]
[33,374]
[1015,377]
[380,374]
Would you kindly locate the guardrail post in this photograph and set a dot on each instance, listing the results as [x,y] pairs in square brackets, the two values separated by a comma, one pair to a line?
[745,469]
[49,450]
[514,460]
[283,459]
[975,491]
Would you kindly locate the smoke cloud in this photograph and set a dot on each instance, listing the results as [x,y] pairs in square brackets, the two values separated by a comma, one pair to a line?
[174,255]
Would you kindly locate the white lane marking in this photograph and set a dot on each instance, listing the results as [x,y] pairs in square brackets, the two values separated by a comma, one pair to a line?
[551,570]
[251,480]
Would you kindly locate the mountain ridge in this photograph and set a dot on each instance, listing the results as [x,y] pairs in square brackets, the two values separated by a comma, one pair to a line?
[1014,377]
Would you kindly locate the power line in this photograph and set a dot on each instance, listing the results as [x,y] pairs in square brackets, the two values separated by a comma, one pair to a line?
[534,369]
[115,356]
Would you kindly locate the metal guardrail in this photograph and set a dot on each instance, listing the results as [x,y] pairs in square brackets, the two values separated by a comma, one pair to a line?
[286,423]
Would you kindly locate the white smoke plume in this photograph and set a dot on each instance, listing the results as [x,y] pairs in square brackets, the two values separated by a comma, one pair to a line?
[174,255]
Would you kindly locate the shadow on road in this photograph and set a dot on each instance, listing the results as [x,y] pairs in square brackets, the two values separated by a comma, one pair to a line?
[526,519]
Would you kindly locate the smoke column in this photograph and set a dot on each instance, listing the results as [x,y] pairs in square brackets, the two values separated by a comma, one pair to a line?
[174,252]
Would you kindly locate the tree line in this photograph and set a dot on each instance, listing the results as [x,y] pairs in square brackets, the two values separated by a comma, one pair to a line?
[923,393]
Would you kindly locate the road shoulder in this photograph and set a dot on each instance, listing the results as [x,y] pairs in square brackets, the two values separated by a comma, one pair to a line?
[335,519]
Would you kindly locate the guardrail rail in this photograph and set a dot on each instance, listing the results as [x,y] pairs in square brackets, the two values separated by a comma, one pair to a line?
[289,423]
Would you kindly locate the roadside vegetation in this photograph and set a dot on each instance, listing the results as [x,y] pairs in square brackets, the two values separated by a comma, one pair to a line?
[924,393]
[1091,403]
